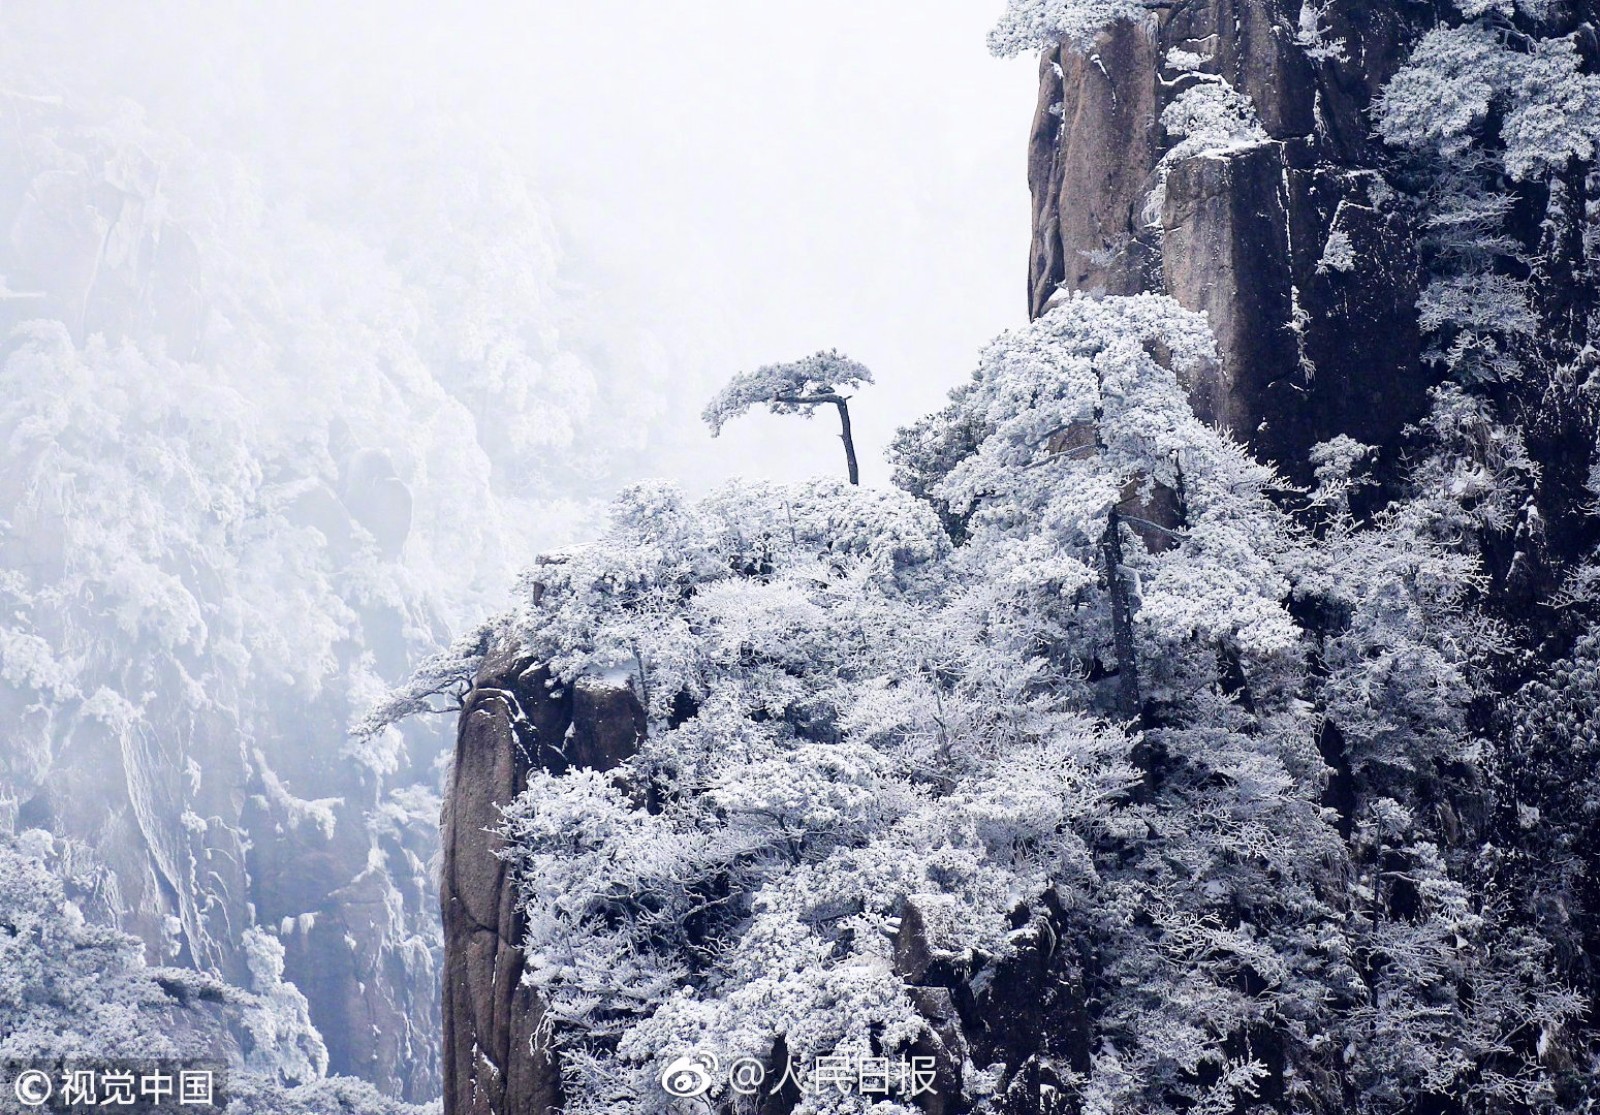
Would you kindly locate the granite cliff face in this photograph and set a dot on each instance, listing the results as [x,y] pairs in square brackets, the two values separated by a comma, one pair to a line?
[516,718]
[1309,279]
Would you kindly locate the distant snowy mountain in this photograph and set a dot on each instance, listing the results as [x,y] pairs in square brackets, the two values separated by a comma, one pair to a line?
[270,425]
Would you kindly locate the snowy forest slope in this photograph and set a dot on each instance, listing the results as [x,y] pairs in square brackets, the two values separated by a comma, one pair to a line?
[1208,724]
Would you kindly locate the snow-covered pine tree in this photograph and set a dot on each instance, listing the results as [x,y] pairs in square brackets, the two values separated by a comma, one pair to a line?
[898,743]
[798,387]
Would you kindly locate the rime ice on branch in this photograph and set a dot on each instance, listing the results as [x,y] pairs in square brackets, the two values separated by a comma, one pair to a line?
[798,387]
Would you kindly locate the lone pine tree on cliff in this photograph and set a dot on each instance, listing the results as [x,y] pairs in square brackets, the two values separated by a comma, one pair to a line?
[798,387]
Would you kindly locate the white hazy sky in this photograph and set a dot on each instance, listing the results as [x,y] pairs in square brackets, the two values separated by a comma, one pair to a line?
[768,179]
[843,173]
[775,178]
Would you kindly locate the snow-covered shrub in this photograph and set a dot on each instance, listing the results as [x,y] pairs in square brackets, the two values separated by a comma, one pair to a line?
[1095,702]
[69,988]
[1041,24]
[1086,426]
[282,1043]
[1337,253]
[1210,118]
[1311,35]
[1441,98]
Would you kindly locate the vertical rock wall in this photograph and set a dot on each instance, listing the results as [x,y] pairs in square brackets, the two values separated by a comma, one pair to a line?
[515,719]
[1313,342]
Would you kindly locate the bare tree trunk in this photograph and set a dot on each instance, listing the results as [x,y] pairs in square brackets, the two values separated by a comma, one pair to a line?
[1128,699]
[842,402]
[849,442]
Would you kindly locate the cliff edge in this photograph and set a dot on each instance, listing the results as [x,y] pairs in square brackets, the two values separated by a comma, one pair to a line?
[515,719]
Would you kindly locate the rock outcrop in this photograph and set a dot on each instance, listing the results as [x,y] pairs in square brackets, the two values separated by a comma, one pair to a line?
[516,718]
[1308,277]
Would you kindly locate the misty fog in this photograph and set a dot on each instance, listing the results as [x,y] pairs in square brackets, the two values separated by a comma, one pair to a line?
[328,318]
